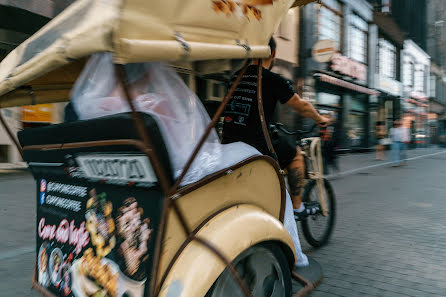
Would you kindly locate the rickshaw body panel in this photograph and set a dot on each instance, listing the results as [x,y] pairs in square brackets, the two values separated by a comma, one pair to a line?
[254,181]
[232,231]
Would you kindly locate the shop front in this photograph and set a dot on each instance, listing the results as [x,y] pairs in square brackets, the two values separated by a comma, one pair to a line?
[389,101]
[415,117]
[435,117]
[343,93]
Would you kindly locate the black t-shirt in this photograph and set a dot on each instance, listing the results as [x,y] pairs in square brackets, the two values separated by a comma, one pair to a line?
[241,115]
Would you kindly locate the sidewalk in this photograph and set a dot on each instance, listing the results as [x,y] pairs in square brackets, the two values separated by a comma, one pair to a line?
[8,166]
[354,162]
[348,163]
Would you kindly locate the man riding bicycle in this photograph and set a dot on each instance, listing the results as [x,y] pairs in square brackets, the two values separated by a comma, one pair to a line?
[242,123]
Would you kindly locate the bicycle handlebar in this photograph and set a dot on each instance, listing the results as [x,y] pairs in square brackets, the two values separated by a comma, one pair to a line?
[281,127]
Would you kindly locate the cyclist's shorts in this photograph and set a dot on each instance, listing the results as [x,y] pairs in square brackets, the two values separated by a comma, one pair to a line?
[285,148]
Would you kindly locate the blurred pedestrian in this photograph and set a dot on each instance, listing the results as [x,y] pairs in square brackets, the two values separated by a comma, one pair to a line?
[381,137]
[405,137]
[328,145]
[397,136]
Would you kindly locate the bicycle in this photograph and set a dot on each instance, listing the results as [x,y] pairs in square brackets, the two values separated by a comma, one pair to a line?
[318,192]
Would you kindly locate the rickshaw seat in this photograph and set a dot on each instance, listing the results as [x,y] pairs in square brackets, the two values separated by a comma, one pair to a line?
[121,126]
[117,126]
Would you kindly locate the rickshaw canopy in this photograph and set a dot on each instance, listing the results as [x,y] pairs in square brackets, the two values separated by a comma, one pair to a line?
[44,67]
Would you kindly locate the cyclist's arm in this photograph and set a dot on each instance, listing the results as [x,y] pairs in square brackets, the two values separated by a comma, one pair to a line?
[306,109]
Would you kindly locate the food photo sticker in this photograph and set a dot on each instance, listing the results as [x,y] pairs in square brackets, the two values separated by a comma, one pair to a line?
[42,265]
[66,280]
[133,235]
[55,266]
[100,223]
[97,277]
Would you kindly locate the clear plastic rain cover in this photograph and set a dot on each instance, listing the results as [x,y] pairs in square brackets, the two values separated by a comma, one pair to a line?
[159,91]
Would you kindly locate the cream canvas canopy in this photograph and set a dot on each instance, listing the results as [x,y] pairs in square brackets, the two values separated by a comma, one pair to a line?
[44,67]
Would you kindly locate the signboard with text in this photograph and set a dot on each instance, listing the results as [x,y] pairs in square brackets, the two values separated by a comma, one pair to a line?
[348,67]
[388,85]
[41,113]
[95,236]
[323,50]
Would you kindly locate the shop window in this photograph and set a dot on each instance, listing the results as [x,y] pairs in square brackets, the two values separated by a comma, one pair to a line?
[201,87]
[389,114]
[432,86]
[7,113]
[356,129]
[359,103]
[387,59]
[4,153]
[408,72]
[216,90]
[358,39]
[328,99]
[419,78]
[329,21]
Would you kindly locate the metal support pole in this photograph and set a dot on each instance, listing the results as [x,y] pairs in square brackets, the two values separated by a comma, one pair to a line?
[209,129]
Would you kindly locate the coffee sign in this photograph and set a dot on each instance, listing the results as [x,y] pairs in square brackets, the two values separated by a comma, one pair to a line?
[346,66]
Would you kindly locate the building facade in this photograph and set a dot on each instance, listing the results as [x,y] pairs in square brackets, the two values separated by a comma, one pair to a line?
[18,21]
[287,63]
[337,62]
[415,77]
[411,17]
[389,47]
[436,48]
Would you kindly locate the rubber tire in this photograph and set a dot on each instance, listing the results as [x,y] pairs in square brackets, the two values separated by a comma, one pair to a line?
[275,249]
[332,219]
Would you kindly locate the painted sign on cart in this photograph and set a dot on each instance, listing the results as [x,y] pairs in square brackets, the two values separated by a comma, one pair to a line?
[95,239]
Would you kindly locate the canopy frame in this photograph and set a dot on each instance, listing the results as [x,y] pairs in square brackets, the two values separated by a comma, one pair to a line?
[171,191]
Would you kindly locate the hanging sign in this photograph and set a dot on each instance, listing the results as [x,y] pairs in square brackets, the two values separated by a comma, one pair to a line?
[324,50]
[348,67]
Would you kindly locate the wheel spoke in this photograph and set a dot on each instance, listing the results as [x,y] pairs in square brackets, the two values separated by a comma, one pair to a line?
[278,289]
[317,228]
[262,269]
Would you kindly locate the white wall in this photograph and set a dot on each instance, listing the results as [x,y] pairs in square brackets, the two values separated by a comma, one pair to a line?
[286,37]
[13,122]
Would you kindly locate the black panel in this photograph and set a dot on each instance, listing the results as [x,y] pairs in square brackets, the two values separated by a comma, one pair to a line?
[119,126]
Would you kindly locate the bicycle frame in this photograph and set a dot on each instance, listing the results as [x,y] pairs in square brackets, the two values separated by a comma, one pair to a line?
[315,155]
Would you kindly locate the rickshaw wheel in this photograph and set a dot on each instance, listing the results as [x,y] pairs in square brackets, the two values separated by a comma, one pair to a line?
[264,269]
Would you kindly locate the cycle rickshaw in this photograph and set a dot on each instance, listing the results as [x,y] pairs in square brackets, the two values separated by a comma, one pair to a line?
[112,217]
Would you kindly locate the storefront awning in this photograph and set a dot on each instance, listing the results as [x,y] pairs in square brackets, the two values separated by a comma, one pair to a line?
[345,84]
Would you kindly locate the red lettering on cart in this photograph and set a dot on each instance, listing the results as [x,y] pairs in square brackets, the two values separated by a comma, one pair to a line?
[63,232]
[46,232]
[66,232]
[79,237]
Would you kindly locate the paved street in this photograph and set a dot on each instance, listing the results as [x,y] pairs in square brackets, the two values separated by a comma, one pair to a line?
[390,237]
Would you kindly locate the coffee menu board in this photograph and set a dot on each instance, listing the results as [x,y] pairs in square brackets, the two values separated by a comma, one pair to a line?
[95,240]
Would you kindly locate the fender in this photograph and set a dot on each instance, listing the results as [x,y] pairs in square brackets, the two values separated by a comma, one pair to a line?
[232,232]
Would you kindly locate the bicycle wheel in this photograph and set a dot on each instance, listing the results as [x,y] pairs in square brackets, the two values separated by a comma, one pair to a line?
[317,228]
